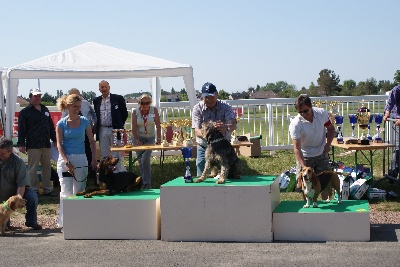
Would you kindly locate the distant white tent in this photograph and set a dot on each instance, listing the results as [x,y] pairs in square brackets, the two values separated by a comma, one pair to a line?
[95,61]
[2,96]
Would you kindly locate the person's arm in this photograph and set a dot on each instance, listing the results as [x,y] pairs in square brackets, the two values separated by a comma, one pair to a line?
[60,135]
[330,134]
[21,191]
[22,132]
[134,127]
[298,153]
[389,104]
[92,142]
[123,110]
[158,125]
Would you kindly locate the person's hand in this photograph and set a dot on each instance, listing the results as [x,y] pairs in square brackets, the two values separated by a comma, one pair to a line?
[397,123]
[327,148]
[385,117]
[222,127]
[22,149]
[94,164]
[70,167]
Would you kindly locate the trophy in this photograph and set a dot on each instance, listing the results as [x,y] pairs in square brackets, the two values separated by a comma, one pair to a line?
[353,121]
[369,136]
[115,135]
[187,153]
[177,138]
[363,115]
[164,126]
[339,122]
[128,138]
[187,133]
[234,139]
[121,134]
[378,121]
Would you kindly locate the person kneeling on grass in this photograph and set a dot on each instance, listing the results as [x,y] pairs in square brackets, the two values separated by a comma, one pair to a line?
[13,181]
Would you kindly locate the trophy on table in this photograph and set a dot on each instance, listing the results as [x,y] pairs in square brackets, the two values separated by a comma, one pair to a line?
[164,126]
[128,138]
[234,139]
[353,121]
[378,121]
[177,138]
[121,134]
[369,136]
[115,135]
[363,115]
[339,122]
[187,132]
[187,153]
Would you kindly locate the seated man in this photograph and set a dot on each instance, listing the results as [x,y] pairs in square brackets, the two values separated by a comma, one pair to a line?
[13,181]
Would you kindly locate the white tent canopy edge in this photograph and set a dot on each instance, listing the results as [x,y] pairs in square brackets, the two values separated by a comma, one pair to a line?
[94,61]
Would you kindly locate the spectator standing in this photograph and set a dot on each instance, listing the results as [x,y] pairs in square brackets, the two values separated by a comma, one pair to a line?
[211,109]
[392,110]
[13,181]
[88,112]
[111,114]
[72,165]
[145,126]
[35,129]
[312,133]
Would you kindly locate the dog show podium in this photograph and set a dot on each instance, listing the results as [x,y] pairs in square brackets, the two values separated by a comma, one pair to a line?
[238,211]
[347,221]
[133,215]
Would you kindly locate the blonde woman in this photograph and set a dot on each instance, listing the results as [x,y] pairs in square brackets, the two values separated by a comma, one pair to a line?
[145,127]
[72,165]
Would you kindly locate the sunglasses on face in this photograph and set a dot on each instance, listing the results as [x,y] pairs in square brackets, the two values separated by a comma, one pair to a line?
[303,111]
[145,103]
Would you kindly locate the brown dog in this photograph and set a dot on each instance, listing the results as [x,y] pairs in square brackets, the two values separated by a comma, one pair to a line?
[110,182]
[313,185]
[8,207]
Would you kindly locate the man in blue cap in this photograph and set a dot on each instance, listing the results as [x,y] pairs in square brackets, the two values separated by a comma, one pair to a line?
[211,109]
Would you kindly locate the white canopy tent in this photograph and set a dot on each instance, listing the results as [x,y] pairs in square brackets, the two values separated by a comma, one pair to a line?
[95,61]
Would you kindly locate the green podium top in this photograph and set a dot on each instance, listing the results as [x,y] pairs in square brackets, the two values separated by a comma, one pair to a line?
[261,180]
[333,206]
[144,194]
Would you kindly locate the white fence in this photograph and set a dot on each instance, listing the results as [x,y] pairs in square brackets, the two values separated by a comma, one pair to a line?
[271,117]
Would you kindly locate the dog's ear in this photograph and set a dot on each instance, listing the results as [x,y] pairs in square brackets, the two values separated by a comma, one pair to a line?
[299,180]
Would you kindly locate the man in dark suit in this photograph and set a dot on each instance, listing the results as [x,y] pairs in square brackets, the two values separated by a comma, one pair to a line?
[111,114]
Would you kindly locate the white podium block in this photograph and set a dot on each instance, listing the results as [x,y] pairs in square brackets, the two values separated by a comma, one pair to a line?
[133,215]
[348,221]
[239,210]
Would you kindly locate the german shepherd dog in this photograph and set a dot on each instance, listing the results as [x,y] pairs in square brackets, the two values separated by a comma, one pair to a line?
[111,183]
[219,151]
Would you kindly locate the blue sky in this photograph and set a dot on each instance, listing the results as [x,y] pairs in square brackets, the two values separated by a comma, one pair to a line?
[233,44]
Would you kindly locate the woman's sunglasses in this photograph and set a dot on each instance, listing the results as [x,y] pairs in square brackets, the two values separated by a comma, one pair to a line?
[145,103]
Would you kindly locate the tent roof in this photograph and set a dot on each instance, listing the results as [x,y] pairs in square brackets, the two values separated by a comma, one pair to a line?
[91,59]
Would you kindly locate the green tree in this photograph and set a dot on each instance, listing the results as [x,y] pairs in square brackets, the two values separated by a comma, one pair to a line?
[328,82]
[163,98]
[348,87]
[89,96]
[384,86]
[46,97]
[396,79]
[313,89]
[163,92]
[223,95]
[371,86]
[173,90]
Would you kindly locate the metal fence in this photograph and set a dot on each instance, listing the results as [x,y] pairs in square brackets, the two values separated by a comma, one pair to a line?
[271,117]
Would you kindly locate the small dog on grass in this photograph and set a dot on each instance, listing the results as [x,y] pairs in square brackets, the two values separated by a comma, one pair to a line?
[312,185]
[8,207]
[111,183]
[219,151]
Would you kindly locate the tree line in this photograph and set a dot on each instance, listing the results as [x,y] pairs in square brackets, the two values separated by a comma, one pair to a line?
[328,84]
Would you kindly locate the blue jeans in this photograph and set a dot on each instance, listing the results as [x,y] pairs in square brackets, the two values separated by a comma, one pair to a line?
[31,204]
[200,159]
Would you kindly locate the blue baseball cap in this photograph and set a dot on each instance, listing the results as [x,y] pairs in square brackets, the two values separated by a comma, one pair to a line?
[208,89]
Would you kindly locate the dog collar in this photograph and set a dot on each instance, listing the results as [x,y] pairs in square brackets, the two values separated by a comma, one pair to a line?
[6,206]
[216,140]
